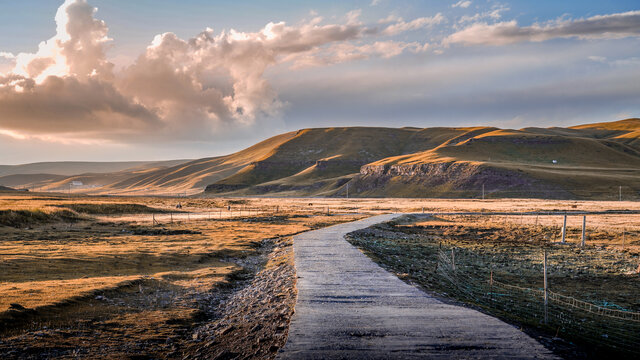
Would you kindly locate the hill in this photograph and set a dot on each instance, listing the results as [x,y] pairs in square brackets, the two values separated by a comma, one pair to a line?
[69,168]
[585,161]
[588,161]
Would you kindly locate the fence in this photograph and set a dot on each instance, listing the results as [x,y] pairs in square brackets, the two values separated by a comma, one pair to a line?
[604,328]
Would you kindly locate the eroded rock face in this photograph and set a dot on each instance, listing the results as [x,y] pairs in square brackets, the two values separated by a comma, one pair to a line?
[456,177]
[221,188]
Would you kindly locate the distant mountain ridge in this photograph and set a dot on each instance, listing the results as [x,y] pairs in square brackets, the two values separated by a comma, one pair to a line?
[69,168]
[585,161]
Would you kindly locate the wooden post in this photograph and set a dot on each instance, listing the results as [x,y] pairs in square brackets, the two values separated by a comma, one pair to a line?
[482,191]
[620,192]
[453,260]
[438,257]
[536,219]
[491,283]
[623,236]
[584,230]
[564,229]
[347,190]
[546,298]
[171,218]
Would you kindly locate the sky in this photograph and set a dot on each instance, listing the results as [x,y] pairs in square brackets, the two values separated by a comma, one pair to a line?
[112,80]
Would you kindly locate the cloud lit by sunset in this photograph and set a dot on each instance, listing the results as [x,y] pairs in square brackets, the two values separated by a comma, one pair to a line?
[265,78]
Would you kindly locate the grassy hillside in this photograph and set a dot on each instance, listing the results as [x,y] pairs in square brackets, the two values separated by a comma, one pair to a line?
[590,161]
[69,168]
[585,161]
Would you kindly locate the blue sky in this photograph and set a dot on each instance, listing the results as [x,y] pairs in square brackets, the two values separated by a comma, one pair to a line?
[333,63]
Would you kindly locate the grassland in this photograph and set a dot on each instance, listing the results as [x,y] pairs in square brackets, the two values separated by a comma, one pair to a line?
[80,285]
[131,275]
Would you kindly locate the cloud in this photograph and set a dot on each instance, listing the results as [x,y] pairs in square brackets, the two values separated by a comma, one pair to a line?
[7,55]
[400,26]
[600,59]
[462,4]
[76,50]
[494,14]
[612,26]
[180,89]
[66,105]
[344,52]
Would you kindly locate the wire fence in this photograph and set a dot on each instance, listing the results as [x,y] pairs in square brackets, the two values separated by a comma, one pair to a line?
[605,328]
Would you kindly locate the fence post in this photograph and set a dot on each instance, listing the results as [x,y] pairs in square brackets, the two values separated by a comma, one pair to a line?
[546,298]
[491,284]
[171,218]
[453,260]
[537,219]
[564,229]
[584,230]
[438,258]
[623,236]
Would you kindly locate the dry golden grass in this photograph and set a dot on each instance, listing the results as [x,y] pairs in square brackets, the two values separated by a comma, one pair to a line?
[53,262]
[113,280]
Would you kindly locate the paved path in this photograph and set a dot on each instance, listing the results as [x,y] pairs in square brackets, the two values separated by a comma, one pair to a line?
[350,308]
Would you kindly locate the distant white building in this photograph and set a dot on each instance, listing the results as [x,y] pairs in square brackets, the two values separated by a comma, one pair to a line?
[76,183]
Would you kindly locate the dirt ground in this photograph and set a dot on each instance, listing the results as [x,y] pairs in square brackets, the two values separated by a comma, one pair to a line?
[137,277]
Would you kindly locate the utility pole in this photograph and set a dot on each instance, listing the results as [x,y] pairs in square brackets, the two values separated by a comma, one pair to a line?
[564,229]
[347,190]
[482,191]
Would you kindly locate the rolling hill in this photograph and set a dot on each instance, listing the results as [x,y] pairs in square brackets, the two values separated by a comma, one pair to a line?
[587,161]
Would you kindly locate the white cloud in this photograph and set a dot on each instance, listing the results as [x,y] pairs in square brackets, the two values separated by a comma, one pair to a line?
[179,89]
[495,13]
[462,4]
[344,52]
[420,23]
[600,59]
[610,26]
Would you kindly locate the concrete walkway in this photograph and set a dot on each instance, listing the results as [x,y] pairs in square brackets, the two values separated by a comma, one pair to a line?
[350,308]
